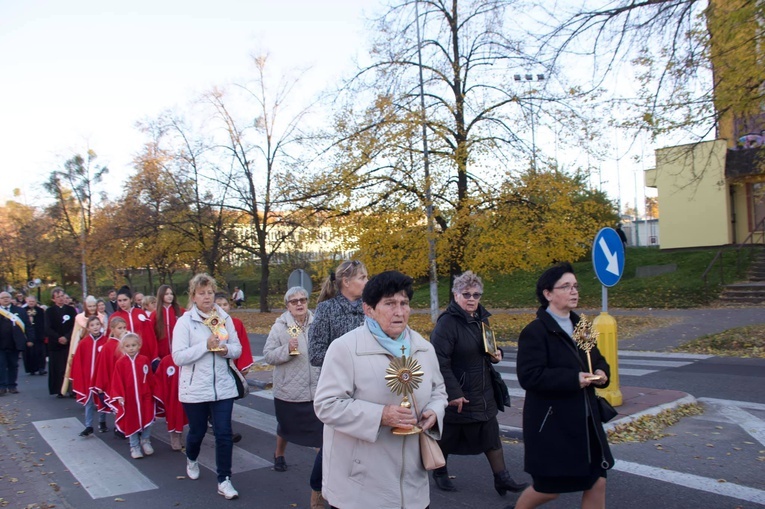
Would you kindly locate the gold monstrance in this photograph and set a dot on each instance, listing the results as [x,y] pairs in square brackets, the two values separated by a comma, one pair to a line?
[218,327]
[294,331]
[586,338]
[403,377]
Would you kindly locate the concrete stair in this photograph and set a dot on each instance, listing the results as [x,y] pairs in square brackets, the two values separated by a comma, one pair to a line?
[751,291]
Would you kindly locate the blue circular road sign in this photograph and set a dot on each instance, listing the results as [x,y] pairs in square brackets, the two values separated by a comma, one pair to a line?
[608,256]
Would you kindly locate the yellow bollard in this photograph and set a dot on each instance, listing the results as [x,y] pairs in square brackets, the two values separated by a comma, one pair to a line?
[608,345]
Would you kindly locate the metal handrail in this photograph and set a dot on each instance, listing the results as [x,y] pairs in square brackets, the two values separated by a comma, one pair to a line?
[719,256]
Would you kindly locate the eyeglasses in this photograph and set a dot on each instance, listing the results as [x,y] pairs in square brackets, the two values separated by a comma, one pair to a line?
[568,288]
[476,295]
[295,302]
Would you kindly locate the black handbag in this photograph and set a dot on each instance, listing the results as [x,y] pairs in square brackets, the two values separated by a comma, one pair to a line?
[607,412]
[501,393]
[242,388]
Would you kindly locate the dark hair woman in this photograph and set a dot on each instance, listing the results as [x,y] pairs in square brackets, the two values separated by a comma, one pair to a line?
[164,319]
[339,310]
[566,449]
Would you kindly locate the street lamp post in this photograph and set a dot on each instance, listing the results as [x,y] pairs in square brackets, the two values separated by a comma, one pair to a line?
[530,78]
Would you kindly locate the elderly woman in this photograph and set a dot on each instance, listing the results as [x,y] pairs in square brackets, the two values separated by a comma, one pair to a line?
[206,385]
[364,463]
[470,424]
[565,446]
[294,377]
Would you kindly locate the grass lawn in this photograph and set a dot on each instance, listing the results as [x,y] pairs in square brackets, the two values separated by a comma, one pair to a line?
[680,289]
[739,342]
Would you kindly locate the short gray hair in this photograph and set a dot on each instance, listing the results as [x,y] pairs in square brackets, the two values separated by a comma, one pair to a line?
[90,300]
[466,280]
[294,291]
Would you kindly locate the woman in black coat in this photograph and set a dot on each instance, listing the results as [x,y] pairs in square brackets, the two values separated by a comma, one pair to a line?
[566,449]
[470,423]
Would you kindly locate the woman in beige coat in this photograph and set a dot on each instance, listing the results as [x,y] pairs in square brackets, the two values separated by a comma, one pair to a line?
[294,378]
[363,461]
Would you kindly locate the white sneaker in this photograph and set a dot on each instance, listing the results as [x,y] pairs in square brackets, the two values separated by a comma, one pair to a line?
[192,469]
[135,453]
[148,450]
[226,489]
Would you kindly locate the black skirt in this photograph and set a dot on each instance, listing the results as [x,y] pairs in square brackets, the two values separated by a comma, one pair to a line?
[297,423]
[470,438]
[572,484]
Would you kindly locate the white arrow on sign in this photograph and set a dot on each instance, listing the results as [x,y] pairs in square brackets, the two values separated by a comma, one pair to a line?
[613,260]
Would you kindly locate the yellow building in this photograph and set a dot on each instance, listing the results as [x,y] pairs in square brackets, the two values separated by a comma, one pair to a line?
[709,195]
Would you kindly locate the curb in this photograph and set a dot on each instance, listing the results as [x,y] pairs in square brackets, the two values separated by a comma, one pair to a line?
[649,411]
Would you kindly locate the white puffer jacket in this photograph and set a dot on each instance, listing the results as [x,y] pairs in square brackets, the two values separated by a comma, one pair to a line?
[294,378]
[204,375]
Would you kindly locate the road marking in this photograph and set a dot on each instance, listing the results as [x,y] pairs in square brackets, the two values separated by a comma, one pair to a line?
[265,394]
[748,422]
[658,364]
[255,418]
[694,356]
[242,460]
[111,475]
[740,404]
[695,482]
[512,377]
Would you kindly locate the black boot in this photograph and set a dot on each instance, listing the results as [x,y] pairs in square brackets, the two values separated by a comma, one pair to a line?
[504,483]
[441,478]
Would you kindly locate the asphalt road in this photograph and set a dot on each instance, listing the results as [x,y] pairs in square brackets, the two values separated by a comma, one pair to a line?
[716,460]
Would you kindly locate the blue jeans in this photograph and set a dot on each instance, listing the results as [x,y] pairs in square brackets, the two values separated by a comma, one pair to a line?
[220,413]
[135,438]
[91,410]
[9,368]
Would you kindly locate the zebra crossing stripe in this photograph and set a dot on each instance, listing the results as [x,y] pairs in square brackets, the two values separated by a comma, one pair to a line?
[696,482]
[111,475]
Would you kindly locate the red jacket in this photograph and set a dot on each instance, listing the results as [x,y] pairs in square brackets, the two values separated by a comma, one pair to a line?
[166,392]
[131,394]
[138,322]
[84,364]
[165,337]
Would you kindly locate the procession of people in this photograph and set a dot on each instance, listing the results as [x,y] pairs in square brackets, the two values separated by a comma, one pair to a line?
[351,380]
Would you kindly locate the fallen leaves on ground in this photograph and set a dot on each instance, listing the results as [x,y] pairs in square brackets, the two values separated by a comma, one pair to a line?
[651,427]
[746,341]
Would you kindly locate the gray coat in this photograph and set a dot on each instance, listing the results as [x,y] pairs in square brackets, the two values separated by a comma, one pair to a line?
[364,464]
[333,318]
[204,375]
[294,378]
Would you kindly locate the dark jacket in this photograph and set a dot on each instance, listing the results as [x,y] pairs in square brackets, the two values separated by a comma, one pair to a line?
[556,434]
[13,337]
[333,318]
[60,323]
[458,341]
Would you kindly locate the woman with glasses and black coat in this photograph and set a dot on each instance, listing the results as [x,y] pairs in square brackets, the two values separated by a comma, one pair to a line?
[470,423]
[566,449]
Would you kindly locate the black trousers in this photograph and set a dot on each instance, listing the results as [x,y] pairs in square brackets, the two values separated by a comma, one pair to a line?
[34,358]
[56,370]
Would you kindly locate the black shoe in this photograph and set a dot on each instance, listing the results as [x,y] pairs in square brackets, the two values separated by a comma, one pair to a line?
[102,428]
[504,483]
[60,396]
[87,432]
[118,434]
[279,464]
[3,391]
[441,478]
[42,372]
[236,437]
[14,390]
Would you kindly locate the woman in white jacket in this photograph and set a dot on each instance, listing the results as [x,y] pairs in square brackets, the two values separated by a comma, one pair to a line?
[206,386]
[294,377]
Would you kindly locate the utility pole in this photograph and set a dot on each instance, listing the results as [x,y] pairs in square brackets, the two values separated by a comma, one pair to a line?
[432,268]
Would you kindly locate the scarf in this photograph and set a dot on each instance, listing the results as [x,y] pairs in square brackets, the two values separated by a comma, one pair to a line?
[392,345]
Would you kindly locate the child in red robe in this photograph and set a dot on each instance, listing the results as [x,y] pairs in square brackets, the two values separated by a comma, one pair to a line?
[131,396]
[137,322]
[83,373]
[166,379]
[110,354]
[164,319]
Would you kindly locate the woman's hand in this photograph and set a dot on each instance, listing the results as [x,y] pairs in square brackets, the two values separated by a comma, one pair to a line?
[213,342]
[458,403]
[498,355]
[293,344]
[427,420]
[397,416]
[584,379]
[603,378]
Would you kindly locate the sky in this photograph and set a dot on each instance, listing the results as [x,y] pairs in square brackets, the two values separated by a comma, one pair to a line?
[79,74]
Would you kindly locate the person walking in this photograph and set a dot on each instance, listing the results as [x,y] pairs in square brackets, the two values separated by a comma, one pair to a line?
[15,332]
[34,355]
[59,319]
